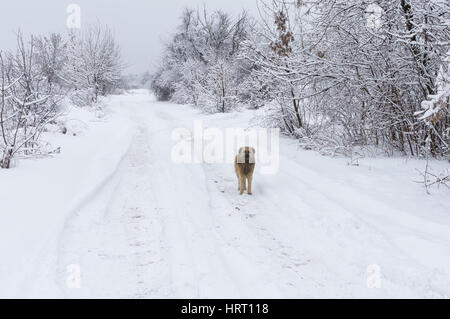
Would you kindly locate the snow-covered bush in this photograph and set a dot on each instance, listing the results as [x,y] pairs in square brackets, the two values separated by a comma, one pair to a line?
[29,99]
[161,86]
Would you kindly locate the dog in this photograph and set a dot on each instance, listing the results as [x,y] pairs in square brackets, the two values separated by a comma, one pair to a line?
[244,165]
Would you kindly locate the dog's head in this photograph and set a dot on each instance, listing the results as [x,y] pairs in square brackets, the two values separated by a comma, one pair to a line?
[246,155]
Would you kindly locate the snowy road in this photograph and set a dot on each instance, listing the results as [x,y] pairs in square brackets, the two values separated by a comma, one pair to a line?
[159,229]
[317,228]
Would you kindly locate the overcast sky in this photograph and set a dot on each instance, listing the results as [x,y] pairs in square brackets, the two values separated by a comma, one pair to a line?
[140,26]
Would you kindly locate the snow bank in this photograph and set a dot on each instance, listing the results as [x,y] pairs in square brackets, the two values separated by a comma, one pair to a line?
[38,195]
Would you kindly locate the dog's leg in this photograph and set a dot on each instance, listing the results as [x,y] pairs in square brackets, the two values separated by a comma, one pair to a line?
[242,185]
[250,177]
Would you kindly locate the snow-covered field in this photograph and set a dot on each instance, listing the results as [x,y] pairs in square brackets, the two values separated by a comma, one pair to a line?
[137,225]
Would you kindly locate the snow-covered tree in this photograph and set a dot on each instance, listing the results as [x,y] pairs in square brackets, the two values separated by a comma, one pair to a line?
[337,73]
[356,73]
[201,65]
[41,73]
[274,54]
[51,58]
[28,100]
[94,64]
[436,111]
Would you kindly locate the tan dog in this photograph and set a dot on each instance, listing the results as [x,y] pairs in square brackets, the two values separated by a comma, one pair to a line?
[244,165]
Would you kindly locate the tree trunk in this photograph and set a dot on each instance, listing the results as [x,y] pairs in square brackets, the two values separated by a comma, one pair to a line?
[420,56]
[297,114]
[223,96]
[7,156]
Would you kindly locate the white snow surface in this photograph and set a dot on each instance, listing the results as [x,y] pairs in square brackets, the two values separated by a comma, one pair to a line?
[140,226]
